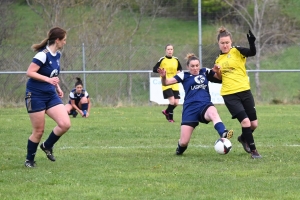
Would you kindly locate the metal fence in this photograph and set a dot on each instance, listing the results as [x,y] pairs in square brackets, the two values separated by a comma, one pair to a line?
[119,74]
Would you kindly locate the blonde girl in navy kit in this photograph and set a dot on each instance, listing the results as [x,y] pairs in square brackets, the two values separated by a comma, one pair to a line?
[43,95]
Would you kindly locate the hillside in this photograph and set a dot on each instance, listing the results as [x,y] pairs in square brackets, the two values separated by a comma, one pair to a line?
[118,47]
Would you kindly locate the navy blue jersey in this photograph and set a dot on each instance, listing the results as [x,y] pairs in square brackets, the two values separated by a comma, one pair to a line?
[49,66]
[76,97]
[196,86]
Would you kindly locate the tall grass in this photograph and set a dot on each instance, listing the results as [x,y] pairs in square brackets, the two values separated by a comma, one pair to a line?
[128,153]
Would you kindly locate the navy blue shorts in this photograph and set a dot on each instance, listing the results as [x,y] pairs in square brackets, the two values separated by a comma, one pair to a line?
[194,113]
[36,102]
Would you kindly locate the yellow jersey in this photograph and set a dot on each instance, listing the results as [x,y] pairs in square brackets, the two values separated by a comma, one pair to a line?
[171,65]
[233,69]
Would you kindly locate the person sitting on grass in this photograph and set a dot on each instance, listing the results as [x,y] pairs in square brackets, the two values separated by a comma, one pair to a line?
[79,101]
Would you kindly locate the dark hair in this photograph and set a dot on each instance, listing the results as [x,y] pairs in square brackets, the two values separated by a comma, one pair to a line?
[53,34]
[78,82]
[168,45]
[189,57]
[222,32]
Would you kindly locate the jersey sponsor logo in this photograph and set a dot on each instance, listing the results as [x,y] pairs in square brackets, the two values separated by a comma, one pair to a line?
[54,73]
[199,80]
[197,87]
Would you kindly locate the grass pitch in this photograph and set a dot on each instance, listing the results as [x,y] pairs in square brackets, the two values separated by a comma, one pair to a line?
[129,153]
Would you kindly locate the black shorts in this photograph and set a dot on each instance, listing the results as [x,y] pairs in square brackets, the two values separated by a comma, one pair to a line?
[239,102]
[171,93]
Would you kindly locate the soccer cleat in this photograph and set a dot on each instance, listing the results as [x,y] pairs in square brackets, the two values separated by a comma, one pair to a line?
[74,113]
[245,145]
[178,152]
[48,152]
[171,120]
[227,134]
[255,154]
[164,112]
[30,164]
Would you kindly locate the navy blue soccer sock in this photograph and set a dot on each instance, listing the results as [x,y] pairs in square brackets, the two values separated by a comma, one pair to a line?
[31,150]
[84,106]
[52,139]
[220,127]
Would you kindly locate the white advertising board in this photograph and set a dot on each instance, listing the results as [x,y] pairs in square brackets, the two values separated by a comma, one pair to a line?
[157,96]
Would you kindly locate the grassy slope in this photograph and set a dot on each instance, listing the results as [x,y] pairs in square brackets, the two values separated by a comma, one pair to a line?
[176,32]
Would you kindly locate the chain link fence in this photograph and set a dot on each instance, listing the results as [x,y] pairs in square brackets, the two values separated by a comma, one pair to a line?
[126,88]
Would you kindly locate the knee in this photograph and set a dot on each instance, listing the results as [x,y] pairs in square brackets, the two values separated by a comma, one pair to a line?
[65,126]
[83,100]
[246,122]
[254,124]
[38,133]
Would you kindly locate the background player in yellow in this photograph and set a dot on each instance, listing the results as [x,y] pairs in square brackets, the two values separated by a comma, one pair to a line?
[172,66]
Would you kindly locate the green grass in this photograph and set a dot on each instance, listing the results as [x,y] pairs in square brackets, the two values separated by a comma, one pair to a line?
[128,153]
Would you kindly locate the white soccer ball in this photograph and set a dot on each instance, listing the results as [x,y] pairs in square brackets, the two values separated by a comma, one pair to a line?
[223,146]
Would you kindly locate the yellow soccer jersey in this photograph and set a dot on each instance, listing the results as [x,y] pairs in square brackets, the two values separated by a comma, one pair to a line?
[234,76]
[171,67]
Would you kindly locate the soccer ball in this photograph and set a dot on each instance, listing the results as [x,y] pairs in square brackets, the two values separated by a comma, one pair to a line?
[223,146]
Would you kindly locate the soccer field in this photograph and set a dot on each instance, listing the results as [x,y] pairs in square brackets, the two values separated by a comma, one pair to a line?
[129,153]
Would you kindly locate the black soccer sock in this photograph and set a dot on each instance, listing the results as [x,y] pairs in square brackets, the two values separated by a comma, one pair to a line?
[52,139]
[248,137]
[180,149]
[170,110]
[31,150]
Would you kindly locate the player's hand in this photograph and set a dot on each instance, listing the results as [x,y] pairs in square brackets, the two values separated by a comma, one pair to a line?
[162,72]
[216,68]
[251,38]
[54,80]
[60,93]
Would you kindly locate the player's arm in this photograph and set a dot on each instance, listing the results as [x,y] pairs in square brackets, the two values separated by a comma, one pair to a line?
[179,67]
[217,70]
[212,76]
[74,105]
[251,51]
[59,91]
[89,103]
[164,80]
[156,67]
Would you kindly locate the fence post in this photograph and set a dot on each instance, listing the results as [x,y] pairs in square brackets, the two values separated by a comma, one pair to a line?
[83,66]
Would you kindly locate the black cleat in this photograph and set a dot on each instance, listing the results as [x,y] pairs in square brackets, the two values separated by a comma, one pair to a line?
[178,152]
[74,114]
[255,154]
[245,145]
[48,152]
[30,164]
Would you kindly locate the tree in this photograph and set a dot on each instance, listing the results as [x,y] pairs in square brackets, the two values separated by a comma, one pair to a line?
[258,16]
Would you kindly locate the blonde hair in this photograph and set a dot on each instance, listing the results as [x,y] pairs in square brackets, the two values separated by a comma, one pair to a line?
[189,57]
[53,34]
[222,32]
